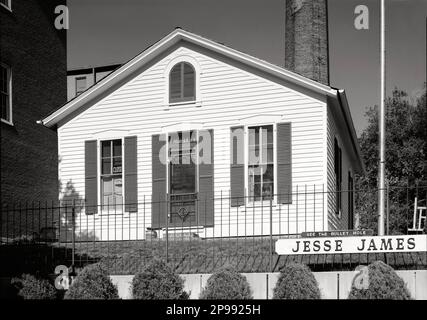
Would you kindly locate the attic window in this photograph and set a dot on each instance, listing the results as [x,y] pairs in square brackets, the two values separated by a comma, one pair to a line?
[182,83]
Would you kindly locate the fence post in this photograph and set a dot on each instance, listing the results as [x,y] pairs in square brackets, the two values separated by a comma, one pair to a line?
[73,218]
[271,234]
[388,208]
[167,226]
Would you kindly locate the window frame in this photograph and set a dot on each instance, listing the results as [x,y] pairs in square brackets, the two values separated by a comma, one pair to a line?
[338,178]
[182,98]
[261,202]
[168,159]
[77,93]
[197,102]
[7,6]
[9,93]
[113,211]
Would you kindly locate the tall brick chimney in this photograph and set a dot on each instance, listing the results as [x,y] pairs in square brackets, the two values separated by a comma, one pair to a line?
[306,39]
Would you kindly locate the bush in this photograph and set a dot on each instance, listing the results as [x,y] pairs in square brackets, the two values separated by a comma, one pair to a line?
[226,284]
[384,283]
[29,287]
[296,281]
[158,281]
[93,282]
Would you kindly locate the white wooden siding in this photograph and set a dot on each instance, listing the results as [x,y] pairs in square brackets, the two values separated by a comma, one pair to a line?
[337,222]
[227,95]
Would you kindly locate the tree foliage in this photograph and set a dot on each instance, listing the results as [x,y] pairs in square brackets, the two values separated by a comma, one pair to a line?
[406,150]
[384,283]
[92,282]
[296,281]
[158,281]
[227,284]
[33,288]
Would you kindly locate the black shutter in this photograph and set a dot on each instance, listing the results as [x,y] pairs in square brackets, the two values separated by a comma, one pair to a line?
[206,183]
[284,163]
[237,166]
[131,181]
[91,176]
[158,171]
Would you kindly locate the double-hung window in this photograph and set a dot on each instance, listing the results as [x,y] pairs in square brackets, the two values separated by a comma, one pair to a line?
[111,175]
[5,92]
[260,163]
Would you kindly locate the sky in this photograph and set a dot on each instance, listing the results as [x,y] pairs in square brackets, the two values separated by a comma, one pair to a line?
[105,32]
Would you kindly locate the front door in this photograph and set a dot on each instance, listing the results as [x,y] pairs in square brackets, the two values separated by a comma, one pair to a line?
[183,179]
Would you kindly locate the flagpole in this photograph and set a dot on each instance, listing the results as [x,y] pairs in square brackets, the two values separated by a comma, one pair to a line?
[381,191]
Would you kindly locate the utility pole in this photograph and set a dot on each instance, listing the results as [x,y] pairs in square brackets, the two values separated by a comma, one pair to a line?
[381,171]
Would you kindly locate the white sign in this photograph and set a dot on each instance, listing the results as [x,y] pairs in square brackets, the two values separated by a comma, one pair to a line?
[365,244]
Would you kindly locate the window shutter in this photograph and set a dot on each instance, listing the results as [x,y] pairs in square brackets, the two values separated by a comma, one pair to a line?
[158,171]
[206,184]
[237,168]
[284,163]
[131,181]
[91,176]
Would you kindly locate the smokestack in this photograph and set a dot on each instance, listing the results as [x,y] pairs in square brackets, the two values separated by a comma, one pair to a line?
[306,39]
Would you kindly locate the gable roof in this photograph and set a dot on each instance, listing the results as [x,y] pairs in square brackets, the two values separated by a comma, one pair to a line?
[173,38]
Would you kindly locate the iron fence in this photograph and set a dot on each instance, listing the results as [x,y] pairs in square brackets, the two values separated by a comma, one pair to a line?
[124,237]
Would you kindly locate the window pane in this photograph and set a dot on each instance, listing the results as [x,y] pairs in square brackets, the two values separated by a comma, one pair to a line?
[183,178]
[117,148]
[107,186]
[268,173]
[81,84]
[118,186]
[4,107]
[253,155]
[175,82]
[106,149]
[267,191]
[253,135]
[3,80]
[189,81]
[267,154]
[106,166]
[117,165]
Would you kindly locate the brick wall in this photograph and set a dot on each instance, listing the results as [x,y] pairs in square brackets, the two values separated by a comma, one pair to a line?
[306,39]
[36,52]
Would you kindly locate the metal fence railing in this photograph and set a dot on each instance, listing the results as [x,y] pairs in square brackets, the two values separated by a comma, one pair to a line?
[124,237]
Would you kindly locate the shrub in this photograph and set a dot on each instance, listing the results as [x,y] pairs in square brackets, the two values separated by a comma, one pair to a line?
[226,284]
[93,282]
[29,287]
[296,281]
[158,281]
[384,283]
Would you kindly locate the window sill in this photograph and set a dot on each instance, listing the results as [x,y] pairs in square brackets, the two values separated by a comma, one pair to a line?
[183,104]
[7,122]
[100,214]
[258,204]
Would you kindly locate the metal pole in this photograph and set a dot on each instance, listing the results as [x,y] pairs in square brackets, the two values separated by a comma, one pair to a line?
[381,189]
[271,233]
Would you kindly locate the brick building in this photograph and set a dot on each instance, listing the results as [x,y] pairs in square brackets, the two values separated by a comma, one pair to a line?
[33,83]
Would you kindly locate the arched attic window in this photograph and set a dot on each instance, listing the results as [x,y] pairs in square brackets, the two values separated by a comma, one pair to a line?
[182,83]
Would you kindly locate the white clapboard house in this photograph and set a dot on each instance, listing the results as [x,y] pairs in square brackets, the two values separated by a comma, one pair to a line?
[192,135]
